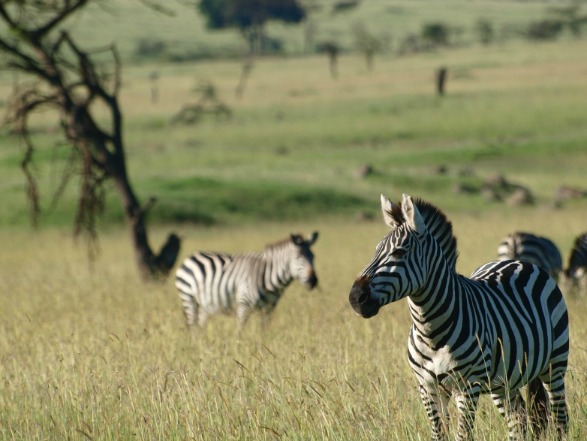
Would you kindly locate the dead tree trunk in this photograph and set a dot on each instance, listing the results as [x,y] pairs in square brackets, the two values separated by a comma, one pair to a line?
[441,80]
[71,85]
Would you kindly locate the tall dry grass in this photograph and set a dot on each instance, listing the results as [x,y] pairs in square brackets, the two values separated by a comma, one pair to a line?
[88,352]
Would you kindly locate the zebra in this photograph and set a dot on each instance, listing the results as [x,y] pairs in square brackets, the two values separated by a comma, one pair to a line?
[528,247]
[504,327]
[576,273]
[210,283]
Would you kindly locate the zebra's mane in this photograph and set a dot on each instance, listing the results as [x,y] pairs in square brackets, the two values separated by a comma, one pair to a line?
[277,245]
[437,224]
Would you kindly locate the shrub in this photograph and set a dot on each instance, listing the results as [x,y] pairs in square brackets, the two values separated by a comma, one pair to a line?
[546,29]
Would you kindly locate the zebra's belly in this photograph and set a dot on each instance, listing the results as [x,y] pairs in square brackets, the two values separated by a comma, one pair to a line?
[216,302]
[453,370]
[452,377]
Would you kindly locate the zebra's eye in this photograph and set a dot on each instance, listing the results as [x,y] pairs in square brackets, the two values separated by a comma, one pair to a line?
[398,253]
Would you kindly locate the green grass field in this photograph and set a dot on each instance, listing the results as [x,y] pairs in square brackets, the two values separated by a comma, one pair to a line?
[89,352]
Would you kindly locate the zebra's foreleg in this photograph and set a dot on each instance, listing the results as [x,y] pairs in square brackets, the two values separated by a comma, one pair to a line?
[467,401]
[512,407]
[436,405]
[265,315]
[202,317]
[243,311]
[190,307]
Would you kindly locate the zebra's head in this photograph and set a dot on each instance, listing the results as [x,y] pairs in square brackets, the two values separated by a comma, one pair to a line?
[302,260]
[577,263]
[400,265]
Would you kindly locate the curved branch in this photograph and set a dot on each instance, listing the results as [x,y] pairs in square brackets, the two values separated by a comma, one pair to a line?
[69,8]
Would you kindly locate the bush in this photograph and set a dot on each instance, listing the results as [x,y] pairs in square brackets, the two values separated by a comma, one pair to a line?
[485,31]
[545,29]
[436,33]
[150,48]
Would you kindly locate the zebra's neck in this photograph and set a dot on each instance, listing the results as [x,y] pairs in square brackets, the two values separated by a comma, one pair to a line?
[276,274]
[437,310]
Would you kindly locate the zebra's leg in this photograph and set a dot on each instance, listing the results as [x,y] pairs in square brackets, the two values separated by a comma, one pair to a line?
[202,317]
[537,407]
[243,311]
[555,387]
[266,316]
[436,405]
[190,307]
[582,285]
[467,401]
[512,407]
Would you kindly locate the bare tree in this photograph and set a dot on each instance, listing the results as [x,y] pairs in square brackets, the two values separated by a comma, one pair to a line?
[65,78]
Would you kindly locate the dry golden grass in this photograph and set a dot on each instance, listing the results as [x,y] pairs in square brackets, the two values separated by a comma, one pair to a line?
[88,352]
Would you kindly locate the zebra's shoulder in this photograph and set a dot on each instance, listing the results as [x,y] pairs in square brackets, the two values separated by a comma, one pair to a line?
[503,266]
[208,258]
[499,270]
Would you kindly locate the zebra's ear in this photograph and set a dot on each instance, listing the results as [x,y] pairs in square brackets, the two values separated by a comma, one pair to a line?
[386,210]
[412,214]
[296,238]
[313,238]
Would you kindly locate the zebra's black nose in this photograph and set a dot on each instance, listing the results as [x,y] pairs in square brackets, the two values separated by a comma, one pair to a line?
[360,299]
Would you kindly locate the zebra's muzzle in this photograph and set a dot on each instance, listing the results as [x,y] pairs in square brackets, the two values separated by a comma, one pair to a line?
[360,299]
[312,281]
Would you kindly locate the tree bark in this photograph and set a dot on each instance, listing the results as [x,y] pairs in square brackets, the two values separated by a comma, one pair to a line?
[75,84]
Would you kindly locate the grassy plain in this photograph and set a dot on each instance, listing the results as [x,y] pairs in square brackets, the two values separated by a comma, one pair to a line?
[91,353]
[88,352]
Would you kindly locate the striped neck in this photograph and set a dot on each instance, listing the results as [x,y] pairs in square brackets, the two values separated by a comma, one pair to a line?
[276,273]
[435,311]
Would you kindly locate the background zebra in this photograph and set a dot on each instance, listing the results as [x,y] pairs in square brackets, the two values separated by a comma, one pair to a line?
[211,283]
[576,273]
[505,326]
[528,247]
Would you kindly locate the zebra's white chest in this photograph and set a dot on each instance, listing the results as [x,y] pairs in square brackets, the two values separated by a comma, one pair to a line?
[441,361]
[434,367]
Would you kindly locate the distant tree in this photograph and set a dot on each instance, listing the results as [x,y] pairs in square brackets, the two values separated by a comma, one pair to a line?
[368,43]
[345,6]
[545,29]
[436,33]
[331,49]
[441,75]
[311,8]
[570,18]
[485,30]
[65,79]
[250,16]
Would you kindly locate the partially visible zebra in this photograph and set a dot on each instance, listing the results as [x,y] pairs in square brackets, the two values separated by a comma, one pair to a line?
[576,273]
[504,327]
[528,247]
[211,283]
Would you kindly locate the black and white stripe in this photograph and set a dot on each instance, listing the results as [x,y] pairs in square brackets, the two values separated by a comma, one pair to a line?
[531,248]
[211,283]
[504,327]
[575,275]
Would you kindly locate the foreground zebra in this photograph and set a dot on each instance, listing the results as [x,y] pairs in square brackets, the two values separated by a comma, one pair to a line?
[504,327]
[534,249]
[576,273]
[211,283]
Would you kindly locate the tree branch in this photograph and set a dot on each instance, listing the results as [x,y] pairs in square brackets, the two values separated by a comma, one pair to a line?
[69,8]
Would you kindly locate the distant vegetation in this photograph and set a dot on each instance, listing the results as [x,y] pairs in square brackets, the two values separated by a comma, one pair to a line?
[407,26]
[291,147]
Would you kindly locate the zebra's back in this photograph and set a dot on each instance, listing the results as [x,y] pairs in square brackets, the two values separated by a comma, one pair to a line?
[528,310]
[531,248]
[209,279]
